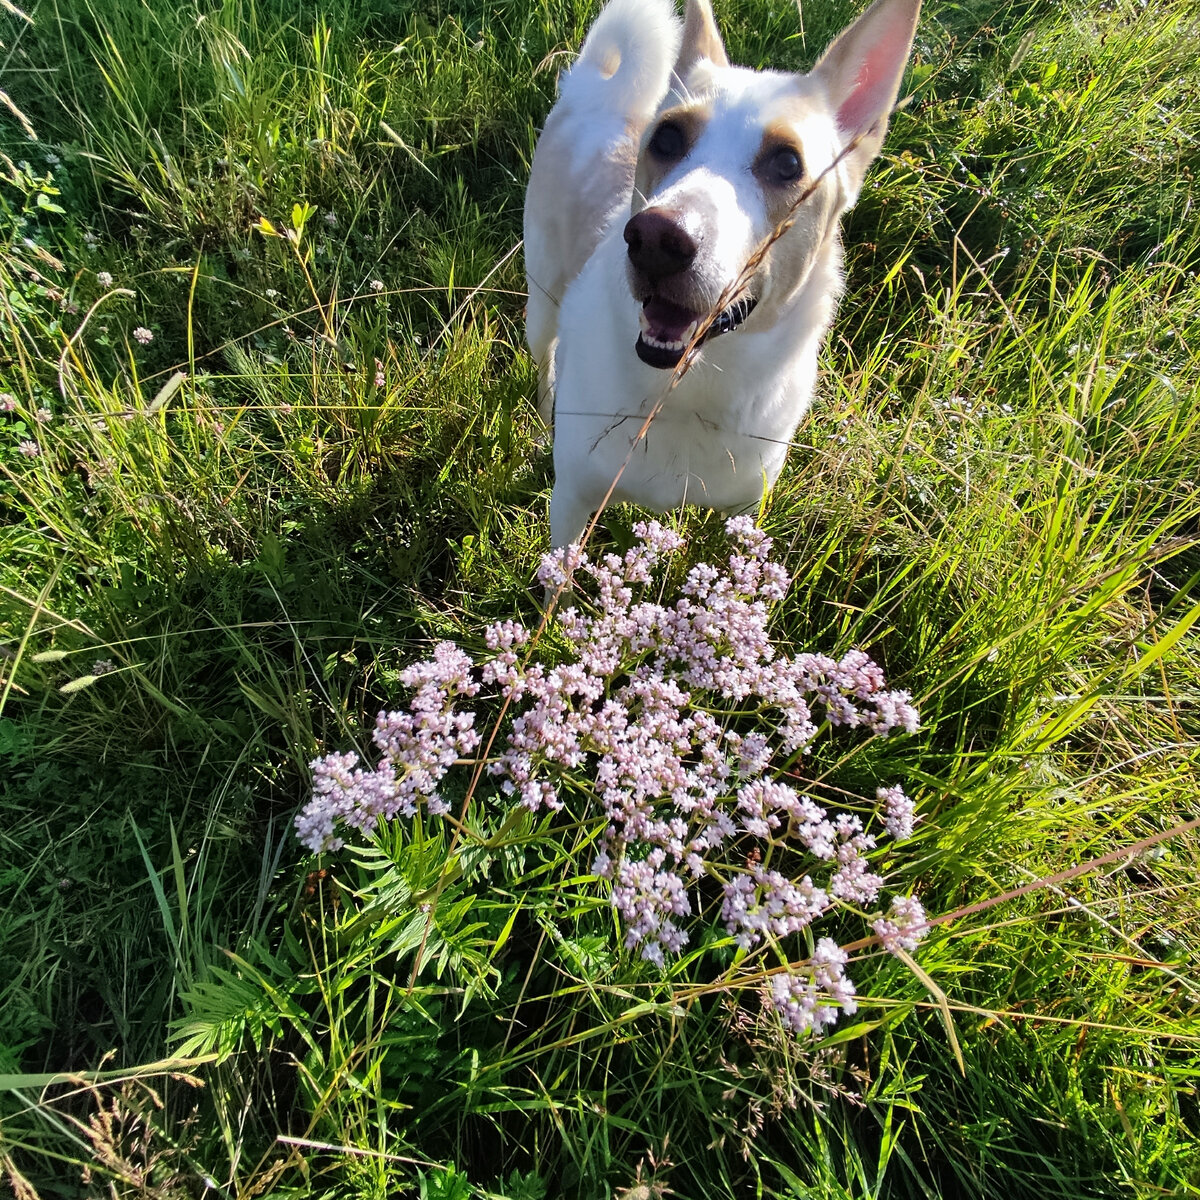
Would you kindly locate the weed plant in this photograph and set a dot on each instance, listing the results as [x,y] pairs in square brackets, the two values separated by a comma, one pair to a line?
[268,435]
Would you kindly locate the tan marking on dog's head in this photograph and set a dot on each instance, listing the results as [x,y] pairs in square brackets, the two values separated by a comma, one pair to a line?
[657,155]
[785,170]
[780,143]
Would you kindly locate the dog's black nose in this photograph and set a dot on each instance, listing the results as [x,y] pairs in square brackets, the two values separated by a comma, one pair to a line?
[658,243]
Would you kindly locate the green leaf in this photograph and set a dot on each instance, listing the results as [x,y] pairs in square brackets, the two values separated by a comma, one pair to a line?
[300,216]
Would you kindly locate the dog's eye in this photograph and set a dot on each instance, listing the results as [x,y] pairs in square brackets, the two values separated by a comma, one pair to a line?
[668,142]
[784,166]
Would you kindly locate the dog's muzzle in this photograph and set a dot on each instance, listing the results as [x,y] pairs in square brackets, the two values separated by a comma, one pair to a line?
[661,249]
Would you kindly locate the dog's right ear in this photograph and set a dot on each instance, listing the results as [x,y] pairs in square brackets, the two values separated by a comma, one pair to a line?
[861,72]
[701,40]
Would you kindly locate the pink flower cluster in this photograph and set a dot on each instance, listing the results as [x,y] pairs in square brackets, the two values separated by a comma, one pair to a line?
[418,748]
[678,720]
[801,996]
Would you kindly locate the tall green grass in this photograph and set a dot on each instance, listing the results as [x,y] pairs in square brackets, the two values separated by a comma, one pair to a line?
[234,537]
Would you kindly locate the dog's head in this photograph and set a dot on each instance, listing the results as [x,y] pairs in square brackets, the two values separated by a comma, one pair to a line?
[733,156]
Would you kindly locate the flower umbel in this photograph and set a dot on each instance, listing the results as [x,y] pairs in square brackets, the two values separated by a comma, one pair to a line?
[685,724]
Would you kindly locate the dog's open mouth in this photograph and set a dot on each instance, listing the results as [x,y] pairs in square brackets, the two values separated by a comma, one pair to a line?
[667,328]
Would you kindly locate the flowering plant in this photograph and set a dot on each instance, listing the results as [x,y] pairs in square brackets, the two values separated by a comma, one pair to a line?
[682,722]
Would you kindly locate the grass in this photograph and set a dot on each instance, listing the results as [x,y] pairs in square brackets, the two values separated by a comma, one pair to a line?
[996,495]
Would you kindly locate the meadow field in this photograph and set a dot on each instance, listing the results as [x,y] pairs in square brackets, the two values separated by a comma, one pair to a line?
[268,435]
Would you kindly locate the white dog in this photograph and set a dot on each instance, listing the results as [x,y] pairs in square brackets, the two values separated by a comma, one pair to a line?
[653,221]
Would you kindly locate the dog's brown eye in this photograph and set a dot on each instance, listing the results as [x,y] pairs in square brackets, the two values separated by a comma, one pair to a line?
[784,166]
[668,142]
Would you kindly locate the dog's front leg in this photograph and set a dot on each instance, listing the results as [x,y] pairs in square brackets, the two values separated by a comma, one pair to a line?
[569,514]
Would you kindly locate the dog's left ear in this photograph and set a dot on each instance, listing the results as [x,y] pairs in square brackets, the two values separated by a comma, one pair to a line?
[701,39]
[861,72]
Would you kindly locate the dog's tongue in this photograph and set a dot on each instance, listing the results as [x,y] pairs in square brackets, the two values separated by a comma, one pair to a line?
[666,322]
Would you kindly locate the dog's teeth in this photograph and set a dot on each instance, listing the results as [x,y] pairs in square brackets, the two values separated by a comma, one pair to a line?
[659,344]
[644,321]
[690,332]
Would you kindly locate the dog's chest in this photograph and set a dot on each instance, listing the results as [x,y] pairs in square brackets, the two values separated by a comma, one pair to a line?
[689,461]
[716,438]
[698,448]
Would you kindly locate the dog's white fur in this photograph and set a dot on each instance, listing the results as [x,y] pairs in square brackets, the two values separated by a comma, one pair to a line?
[722,434]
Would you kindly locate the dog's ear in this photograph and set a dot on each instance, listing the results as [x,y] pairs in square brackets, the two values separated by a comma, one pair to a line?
[861,72]
[701,39]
